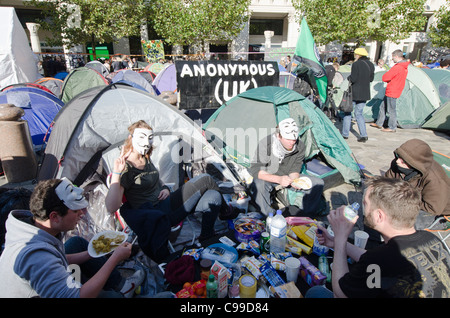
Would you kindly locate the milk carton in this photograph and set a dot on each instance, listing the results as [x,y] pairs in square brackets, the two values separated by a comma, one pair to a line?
[220,272]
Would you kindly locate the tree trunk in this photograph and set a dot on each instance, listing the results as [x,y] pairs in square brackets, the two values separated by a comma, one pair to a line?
[94,54]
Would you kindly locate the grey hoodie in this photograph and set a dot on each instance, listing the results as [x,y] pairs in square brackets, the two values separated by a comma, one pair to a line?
[33,263]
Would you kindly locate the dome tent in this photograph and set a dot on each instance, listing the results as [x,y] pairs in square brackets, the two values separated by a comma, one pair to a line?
[259,110]
[40,108]
[86,139]
[418,99]
[79,80]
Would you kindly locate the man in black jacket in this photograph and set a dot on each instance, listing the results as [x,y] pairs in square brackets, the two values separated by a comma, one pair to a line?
[361,75]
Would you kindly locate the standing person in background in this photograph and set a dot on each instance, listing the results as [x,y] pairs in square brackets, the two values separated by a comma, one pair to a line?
[361,75]
[395,79]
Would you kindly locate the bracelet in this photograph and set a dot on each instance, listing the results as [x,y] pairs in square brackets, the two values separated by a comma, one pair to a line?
[117,172]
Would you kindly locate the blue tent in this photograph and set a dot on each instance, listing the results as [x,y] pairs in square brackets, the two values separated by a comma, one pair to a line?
[40,109]
[134,79]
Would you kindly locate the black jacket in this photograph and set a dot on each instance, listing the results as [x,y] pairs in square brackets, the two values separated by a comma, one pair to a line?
[361,75]
[265,160]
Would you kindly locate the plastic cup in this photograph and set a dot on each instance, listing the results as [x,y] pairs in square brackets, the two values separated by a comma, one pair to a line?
[292,269]
[361,238]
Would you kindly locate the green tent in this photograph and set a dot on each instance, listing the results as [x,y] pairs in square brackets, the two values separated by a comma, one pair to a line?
[236,128]
[443,160]
[417,101]
[441,80]
[79,80]
[440,119]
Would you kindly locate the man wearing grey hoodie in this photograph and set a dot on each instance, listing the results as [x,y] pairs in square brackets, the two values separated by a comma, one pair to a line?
[34,262]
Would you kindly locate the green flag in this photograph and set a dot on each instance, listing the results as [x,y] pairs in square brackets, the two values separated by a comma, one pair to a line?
[306,54]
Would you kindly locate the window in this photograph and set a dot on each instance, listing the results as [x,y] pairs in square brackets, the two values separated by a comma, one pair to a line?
[258,26]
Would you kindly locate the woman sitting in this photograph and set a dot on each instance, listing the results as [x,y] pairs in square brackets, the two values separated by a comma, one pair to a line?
[151,209]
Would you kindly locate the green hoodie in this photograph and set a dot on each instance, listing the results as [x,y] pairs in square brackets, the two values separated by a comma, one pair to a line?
[431,179]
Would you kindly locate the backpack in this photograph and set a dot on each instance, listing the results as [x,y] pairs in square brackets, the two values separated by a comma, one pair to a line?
[302,87]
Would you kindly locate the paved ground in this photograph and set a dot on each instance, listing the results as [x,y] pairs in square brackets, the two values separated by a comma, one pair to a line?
[377,153]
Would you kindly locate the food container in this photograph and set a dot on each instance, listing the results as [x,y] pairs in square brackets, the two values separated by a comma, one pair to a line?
[311,274]
[248,229]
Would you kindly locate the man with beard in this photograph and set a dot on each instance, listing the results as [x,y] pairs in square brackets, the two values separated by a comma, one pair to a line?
[410,264]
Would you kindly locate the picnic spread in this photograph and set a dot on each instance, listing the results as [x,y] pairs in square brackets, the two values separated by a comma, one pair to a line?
[242,265]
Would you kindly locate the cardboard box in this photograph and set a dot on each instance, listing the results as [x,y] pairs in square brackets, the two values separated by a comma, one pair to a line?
[311,274]
[221,274]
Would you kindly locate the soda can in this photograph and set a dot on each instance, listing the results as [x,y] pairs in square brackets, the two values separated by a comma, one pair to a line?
[264,243]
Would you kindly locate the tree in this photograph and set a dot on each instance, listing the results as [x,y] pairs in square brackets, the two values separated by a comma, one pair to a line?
[439,31]
[187,22]
[359,21]
[74,22]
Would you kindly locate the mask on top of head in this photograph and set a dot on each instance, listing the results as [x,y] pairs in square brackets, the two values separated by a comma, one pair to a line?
[71,195]
[288,129]
[142,140]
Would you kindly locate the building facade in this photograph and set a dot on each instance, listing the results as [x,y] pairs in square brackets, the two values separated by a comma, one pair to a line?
[272,25]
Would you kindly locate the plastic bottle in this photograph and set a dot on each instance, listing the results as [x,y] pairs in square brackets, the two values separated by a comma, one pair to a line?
[269,221]
[211,287]
[324,268]
[351,211]
[278,234]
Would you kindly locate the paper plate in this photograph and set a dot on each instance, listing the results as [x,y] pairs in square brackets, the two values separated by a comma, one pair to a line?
[303,183]
[107,235]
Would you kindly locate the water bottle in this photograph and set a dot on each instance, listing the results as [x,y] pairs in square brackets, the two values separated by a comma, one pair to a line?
[211,287]
[324,268]
[351,211]
[278,234]
[269,221]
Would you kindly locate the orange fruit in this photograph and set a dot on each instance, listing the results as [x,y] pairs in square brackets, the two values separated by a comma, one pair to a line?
[187,285]
[200,291]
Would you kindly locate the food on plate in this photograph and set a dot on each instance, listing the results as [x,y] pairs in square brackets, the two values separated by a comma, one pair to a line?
[104,244]
[302,183]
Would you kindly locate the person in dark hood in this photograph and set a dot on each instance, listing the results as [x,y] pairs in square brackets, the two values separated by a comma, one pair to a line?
[415,164]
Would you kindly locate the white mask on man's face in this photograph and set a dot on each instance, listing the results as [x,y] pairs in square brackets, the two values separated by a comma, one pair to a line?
[71,195]
[142,140]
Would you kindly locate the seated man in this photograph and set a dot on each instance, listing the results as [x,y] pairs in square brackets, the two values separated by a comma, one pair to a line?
[410,264]
[415,164]
[34,262]
[278,161]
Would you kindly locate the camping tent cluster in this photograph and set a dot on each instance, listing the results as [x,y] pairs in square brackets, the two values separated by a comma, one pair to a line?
[424,102]
[44,97]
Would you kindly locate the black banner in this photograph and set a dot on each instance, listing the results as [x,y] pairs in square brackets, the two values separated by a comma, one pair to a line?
[209,84]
